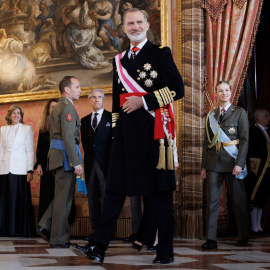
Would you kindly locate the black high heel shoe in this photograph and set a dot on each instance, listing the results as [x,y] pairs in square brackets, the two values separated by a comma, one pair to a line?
[151,248]
[137,246]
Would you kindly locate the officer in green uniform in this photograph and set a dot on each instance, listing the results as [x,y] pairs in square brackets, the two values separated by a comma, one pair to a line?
[224,157]
[64,160]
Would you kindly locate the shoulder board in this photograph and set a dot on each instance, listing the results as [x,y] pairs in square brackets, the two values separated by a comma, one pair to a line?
[238,108]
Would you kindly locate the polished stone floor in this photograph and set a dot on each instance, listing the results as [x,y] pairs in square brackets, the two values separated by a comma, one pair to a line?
[35,254]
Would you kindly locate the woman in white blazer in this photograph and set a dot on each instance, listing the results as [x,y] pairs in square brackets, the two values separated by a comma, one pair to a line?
[16,172]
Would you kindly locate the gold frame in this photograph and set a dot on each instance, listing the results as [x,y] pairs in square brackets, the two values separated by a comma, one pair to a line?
[54,93]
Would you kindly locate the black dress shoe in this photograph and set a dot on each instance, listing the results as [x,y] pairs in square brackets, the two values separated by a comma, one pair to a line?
[45,234]
[82,251]
[137,246]
[242,243]
[94,252]
[262,233]
[209,244]
[163,260]
[65,245]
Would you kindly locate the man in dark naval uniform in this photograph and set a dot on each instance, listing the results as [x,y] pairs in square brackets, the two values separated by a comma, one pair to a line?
[258,184]
[96,135]
[224,157]
[64,161]
[145,81]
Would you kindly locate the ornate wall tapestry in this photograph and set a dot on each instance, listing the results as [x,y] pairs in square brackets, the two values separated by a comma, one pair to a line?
[42,41]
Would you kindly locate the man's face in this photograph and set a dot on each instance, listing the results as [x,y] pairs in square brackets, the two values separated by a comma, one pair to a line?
[263,118]
[96,101]
[74,90]
[223,93]
[135,26]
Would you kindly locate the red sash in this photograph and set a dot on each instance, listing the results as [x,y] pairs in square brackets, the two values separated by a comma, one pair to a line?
[159,128]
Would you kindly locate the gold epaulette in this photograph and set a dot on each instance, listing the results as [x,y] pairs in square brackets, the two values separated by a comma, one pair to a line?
[164,96]
[161,47]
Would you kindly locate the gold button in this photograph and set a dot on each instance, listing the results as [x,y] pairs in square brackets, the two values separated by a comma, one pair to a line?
[138,78]
[138,70]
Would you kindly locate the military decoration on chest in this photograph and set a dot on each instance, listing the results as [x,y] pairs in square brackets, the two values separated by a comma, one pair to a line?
[231,131]
[147,74]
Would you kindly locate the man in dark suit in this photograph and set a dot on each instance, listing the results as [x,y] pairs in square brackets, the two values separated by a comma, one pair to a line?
[64,160]
[96,135]
[145,80]
[224,157]
[258,184]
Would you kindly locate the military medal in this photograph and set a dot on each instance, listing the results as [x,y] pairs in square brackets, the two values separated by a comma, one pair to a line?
[148,83]
[231,131]
[153,74]
[142,75]
[147,66]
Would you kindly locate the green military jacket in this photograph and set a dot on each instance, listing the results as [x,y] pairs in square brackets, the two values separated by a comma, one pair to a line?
[64,125]
[235,125]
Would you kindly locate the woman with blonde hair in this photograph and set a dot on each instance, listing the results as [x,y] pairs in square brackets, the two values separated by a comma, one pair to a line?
[16,172]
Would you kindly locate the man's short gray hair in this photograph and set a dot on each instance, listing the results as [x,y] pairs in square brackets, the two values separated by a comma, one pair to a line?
[96,90]
[135,10]
[258,112]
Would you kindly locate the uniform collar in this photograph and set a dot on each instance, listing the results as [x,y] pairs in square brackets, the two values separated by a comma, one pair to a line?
[69,100]
[262,127]
[139,45]
[226,108]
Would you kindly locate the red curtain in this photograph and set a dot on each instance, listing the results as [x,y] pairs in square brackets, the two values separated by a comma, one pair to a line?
[231,27]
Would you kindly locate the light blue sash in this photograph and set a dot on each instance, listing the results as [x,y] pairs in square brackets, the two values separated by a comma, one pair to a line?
[232,149]
[59,144]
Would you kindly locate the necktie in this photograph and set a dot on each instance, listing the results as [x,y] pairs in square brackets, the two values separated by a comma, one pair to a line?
[94,123]
[223,111]
[133,52]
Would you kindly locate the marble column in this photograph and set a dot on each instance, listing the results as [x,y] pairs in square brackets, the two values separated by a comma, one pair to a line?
[188,48]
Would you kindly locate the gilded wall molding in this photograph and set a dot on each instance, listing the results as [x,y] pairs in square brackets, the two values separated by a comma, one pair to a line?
[48,94]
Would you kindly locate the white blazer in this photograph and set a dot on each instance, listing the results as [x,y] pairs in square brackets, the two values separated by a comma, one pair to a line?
[19,158]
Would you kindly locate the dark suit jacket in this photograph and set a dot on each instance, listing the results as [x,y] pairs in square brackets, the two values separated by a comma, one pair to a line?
[96,144]
[234,119]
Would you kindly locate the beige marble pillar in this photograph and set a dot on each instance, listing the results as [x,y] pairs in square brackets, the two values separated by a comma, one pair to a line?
[188,49]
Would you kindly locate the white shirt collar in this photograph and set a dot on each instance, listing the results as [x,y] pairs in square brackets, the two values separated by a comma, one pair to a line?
[139,45]
[262,127]
[226,108]
[100,112]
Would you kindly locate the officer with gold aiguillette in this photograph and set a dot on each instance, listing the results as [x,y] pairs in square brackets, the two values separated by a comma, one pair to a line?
[224,157]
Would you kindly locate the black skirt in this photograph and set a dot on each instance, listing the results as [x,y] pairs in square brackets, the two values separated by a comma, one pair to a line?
[16,210]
